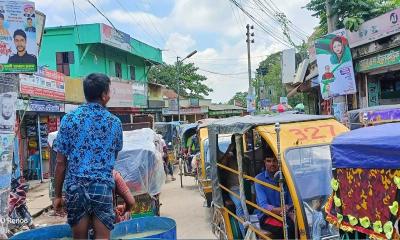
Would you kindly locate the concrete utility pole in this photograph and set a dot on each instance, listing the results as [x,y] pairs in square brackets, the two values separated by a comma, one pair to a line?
[248,40]
[332,20]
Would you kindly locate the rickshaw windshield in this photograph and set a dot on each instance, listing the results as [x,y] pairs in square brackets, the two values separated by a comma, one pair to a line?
[311,169]
[223,144]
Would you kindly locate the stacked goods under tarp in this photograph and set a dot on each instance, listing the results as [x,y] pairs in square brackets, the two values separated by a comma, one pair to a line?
[141,165]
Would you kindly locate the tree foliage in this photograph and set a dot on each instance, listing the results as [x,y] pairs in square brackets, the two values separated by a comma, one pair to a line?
[192,83]
[239,97]
[272,81]
[351,13]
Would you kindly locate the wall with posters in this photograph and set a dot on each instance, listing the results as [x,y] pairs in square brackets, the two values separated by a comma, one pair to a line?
[335,66]
[19,53]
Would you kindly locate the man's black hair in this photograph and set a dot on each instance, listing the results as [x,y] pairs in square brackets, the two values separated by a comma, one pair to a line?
[29,19]
[1,16]
[95,85]
[20,32]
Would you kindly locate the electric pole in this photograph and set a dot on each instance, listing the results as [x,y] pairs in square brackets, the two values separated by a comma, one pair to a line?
[248,40]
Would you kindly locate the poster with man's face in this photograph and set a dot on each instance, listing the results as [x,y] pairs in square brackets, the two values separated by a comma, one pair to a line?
[6,155]
[8,102]
[18,47]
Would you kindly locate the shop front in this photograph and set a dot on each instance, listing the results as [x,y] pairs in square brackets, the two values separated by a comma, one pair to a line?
[379,78]
[188,114]
[36,119]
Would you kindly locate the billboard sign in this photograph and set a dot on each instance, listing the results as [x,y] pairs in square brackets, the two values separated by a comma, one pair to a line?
[288,65]
[43,87]
[121,94]
[377,28]
[115,38]
[18,47]
[335,65]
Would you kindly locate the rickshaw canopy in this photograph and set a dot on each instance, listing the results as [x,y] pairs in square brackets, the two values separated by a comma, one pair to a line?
[169,130]
[376,147]
[184,128]
[376,114]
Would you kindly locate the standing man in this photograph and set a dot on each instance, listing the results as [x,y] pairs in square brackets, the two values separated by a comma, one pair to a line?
[87,146]
[22,56]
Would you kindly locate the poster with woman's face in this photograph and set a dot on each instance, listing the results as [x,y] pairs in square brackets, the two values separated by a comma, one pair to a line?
[335,66]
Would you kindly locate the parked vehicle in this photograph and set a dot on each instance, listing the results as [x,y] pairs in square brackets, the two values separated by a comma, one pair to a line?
[186,132]
[301,144]
[364,201]
[169,131]
[373,116]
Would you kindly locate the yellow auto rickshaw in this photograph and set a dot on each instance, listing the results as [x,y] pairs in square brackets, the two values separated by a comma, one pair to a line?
[204,165]
[301,145]
[365,199]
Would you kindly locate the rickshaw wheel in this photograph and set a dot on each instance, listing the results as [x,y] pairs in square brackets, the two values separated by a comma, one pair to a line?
[218,224]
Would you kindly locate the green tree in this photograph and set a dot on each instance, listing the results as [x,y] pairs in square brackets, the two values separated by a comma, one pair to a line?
[192,83]
[351,13]
[239,97]
[272,81]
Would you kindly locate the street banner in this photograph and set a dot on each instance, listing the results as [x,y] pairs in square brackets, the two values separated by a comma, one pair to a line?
[18,47]
[43,87]
[6,158]
[335,66]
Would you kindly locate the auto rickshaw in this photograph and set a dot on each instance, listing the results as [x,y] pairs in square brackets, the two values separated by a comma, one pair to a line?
[204,165]
[301,144]
[371,116]
[186,131]
[169,131]
[365,200]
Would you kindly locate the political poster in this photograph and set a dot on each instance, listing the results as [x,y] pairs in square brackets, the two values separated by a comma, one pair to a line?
[18,47]
[8,100]
[251,103]
[6,154]
[335,66]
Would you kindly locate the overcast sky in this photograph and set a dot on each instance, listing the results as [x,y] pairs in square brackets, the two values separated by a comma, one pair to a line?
[215,28]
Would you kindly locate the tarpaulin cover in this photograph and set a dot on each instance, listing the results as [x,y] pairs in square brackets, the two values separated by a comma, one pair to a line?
[374,114]
[140,162]
[376,147]
[240,125]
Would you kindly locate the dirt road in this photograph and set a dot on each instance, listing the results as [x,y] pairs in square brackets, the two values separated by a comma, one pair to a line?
[186,206]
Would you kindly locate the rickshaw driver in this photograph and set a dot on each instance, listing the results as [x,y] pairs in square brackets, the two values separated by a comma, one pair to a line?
[193,147]
[269,199]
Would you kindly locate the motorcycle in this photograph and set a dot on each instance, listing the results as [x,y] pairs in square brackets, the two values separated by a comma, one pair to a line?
[19,217]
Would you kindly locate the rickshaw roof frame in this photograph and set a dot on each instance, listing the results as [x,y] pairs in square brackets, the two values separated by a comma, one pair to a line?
[240,125]
[376,147]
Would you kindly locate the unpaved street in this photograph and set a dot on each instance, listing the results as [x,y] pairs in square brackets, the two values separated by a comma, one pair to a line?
[185,205]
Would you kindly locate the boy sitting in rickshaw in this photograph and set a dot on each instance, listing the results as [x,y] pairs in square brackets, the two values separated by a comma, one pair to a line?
[269,199]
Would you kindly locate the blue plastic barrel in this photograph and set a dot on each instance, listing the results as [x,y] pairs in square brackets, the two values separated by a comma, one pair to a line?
[146,227]
[138,228]
[50,232]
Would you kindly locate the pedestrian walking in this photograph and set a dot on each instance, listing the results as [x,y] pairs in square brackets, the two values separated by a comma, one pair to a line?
[87,146]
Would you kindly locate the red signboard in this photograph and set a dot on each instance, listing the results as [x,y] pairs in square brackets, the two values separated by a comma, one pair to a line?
[43,87]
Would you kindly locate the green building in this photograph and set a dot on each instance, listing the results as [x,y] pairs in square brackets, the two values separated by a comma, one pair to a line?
[79,50]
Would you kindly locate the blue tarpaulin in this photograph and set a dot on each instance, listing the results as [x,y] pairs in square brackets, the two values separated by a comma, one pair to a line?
[376,147]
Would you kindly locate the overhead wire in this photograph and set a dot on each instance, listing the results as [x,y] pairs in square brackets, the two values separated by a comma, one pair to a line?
[273,14]
[260,24]
[138,23]
[76,21]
